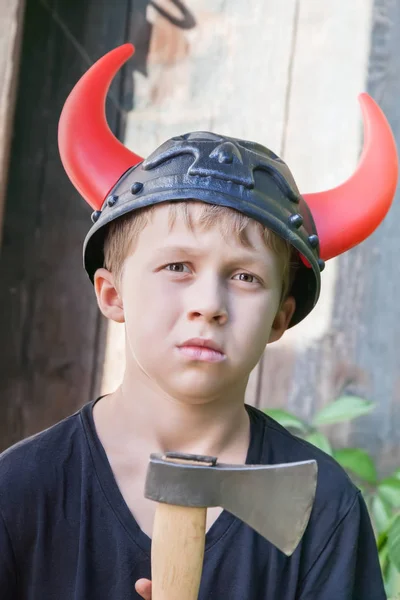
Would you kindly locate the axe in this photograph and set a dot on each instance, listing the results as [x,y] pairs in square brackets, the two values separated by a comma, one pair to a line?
[275,500]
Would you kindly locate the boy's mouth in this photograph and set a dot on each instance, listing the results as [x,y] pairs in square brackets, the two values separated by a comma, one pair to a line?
[202,349]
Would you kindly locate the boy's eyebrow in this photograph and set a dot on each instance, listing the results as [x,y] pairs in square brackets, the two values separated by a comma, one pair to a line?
[186,249]
[248,258]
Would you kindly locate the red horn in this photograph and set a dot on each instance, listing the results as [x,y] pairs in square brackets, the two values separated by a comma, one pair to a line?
[349,213]
[92,156]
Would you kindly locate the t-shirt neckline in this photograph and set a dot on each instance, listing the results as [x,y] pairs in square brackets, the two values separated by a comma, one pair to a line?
[115,499]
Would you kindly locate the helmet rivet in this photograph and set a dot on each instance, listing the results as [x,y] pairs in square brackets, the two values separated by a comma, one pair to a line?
[225,157]
[136,187]
[95,215]
[112,200]
[313,240]
[321,264]
[296,220]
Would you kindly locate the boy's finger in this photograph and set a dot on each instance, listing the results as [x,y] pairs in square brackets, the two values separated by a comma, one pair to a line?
[143,587]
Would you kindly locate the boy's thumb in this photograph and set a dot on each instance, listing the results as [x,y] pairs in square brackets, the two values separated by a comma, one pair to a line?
[143,588]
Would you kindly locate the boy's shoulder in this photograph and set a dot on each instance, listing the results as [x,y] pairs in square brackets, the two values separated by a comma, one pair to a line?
[30,463]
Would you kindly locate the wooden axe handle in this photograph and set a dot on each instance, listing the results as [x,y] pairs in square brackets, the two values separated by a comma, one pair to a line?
[177,552]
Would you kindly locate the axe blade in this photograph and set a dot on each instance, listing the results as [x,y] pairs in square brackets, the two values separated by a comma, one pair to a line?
[275,500]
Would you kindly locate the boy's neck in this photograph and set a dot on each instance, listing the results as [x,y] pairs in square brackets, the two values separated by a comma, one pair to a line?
[141,420]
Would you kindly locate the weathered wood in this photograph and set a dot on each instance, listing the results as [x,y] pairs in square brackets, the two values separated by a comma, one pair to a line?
[49,321]
[11,21]
[321,145]
[274,74]
[351,344]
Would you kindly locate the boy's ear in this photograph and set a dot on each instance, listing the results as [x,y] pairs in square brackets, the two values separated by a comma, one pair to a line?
[108,298]
[282,319]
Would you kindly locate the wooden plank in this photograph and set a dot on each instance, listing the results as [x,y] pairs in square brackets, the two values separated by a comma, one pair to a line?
[377,330]
[219,67]
[350,343]
[11,22]
[49,321]
[321,147]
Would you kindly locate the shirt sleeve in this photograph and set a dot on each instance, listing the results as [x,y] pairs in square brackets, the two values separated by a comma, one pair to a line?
[348,565]
[7,564]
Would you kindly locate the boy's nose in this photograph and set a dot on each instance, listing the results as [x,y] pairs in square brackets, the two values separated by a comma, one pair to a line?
[221,317]
[208,301]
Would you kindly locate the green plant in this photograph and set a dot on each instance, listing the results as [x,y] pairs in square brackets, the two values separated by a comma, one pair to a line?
[382,496]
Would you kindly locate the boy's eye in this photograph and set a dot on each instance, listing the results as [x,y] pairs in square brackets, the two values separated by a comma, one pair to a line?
[175,267]
[246,277]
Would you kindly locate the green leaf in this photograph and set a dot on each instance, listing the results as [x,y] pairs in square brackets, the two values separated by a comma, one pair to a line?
[345,408]
[392,581]
[358,462]
[389,490]
[383,558]
[320,441]
[394,542]
[286,419]
[396,474]
[381,514]
[381,542]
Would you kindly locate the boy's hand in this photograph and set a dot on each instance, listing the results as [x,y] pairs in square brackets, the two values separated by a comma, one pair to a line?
[143,588]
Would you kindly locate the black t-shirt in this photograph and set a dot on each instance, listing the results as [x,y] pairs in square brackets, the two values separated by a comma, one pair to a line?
[66,532]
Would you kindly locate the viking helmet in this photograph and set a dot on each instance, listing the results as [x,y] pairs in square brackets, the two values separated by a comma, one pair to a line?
[216,169]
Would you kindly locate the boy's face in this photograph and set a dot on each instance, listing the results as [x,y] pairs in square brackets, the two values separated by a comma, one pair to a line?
[178,285]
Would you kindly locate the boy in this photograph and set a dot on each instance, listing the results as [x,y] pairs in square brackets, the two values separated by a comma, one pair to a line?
[206,252]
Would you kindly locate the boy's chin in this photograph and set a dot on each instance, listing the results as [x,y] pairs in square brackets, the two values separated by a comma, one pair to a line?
[199,391]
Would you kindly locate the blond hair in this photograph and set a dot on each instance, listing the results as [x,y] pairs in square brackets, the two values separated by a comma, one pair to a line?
[123,233]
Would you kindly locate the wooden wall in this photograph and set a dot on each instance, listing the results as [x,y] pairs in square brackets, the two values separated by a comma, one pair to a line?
[286,74]
[358,351]
[50,327]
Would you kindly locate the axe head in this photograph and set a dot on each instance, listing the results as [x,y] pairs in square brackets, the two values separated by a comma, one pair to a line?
[275,500]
